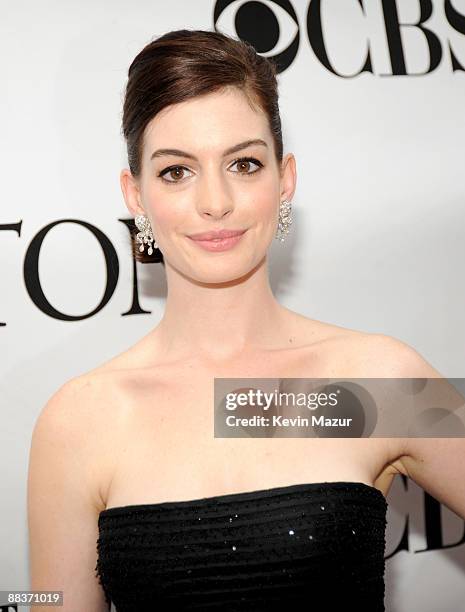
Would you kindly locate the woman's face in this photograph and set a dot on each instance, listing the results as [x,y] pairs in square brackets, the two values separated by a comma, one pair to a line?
[200,188]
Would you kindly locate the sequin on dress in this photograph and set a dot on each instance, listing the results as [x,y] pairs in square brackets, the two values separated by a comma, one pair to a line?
[303,546]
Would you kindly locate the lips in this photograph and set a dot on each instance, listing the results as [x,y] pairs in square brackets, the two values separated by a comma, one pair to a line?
[216,235]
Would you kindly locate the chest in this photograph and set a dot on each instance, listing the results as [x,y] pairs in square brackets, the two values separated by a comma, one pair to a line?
[166,448]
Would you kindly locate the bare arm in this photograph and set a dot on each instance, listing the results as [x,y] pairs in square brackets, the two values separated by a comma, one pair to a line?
[63,502]
[437,465]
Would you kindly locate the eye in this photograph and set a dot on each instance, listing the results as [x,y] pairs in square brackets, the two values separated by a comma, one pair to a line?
[175,171]
[170,170]
[245,161]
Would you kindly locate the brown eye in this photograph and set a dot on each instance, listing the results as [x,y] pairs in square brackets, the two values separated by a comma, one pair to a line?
[244,165]
[176,173]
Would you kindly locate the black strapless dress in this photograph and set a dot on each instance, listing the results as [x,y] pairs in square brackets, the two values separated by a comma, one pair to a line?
[306,546]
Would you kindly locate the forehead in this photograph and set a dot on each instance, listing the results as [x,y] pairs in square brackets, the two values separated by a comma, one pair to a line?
[211,121]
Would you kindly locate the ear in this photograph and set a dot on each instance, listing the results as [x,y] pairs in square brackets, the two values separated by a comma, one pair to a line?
[288,177]
[131,193]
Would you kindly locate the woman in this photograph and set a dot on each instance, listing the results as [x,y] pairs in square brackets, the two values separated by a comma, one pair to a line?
[126,478]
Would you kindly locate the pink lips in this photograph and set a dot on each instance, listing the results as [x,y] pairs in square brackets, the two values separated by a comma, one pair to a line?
[217,240]
[212,235]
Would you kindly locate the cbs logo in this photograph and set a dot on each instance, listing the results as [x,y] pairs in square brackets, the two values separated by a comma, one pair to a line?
[272,28]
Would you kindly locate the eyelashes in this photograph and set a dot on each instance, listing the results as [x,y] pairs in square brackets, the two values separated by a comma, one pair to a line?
[237,161]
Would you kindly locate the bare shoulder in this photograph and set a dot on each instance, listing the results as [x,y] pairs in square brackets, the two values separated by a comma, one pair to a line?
[81,401]
[437,465]
[381,355]
[69,460]
[359,354]
[368,354]
[386,354]
[84,415]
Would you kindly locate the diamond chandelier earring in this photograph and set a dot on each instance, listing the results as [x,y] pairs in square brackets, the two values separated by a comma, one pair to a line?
[284,221]
[145,235]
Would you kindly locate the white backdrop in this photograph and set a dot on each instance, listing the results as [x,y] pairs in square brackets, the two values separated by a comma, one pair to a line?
[377,242]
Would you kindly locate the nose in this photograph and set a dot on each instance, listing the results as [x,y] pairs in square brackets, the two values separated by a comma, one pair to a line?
[213,199]
[215,207]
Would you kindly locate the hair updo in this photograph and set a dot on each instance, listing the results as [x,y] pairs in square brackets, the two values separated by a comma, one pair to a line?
[181,65]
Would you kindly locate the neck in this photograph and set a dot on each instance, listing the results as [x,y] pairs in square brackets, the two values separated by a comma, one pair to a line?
[221,321]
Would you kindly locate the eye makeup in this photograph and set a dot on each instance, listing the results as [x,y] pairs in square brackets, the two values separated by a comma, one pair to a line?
[255,161]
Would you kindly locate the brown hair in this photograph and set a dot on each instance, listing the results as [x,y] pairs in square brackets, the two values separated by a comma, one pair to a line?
[181,65]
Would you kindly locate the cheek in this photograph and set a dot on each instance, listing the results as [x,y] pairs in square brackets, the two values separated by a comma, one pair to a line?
[266,195]
[168,213]
[164,208]
[265,206]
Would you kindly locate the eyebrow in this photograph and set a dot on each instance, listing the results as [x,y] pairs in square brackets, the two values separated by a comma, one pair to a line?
[233,149]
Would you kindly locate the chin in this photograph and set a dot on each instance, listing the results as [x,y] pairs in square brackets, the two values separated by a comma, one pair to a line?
[216,273]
